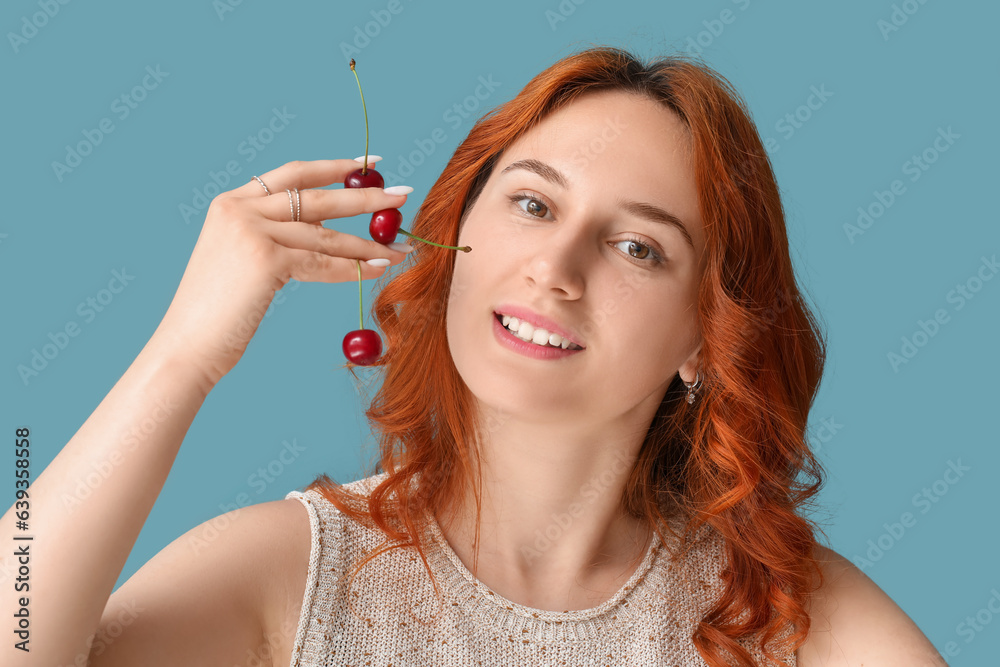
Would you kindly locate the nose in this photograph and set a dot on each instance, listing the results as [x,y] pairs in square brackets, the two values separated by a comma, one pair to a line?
[556,267]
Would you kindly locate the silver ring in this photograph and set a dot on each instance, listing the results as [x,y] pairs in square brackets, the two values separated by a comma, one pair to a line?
[291,204]
[298,207]
[262,185]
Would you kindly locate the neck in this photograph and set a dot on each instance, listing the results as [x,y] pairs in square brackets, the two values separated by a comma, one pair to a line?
[552,527]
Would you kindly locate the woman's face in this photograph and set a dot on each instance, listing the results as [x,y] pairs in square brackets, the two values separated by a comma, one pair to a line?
[570,231]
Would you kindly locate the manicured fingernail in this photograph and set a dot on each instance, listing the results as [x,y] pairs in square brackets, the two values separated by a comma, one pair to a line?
[398,190]
[371,158]
[400,247]
[378,261]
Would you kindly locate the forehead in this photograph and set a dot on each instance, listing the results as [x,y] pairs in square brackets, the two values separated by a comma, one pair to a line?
[613,141]
[609,122]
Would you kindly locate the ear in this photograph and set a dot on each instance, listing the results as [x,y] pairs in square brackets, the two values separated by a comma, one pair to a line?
[689,368]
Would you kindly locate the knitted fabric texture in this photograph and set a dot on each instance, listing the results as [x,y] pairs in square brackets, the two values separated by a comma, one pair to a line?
[391,617]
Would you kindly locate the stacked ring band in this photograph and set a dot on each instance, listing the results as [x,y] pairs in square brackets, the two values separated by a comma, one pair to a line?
[262,184]
[294,204]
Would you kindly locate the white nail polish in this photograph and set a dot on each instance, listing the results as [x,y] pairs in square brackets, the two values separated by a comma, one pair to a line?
[400,247]
[371,158]
[378,261]
[398,190]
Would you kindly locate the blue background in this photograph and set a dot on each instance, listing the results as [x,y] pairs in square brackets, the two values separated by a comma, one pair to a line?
[890,432]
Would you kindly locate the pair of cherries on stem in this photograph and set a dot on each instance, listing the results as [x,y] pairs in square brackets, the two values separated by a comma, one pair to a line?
[364,346]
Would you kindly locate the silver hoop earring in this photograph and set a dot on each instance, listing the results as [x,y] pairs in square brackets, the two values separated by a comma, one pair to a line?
[693,387]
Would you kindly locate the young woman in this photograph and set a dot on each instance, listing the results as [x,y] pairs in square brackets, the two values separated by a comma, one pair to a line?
[593,425]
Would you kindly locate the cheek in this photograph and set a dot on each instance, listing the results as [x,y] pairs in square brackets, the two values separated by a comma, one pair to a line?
[652,332]
[496,254]
[466,300]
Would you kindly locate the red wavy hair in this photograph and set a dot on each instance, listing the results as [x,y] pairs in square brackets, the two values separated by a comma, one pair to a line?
[738,459]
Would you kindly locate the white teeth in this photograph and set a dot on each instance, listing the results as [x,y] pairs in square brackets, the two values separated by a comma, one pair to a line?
[529,333]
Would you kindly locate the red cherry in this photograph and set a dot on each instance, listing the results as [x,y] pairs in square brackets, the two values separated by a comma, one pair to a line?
[359,178]
[362,347]
[364,177]
[385,225]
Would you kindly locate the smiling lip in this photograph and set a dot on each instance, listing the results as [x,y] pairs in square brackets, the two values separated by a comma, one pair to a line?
[509,340]
[537,321]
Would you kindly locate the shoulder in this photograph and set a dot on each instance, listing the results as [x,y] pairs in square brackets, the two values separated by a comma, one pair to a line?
[853,622]
[300,529]
[297,537]
[230,583]
[268,548]
[306,527]
[305,532]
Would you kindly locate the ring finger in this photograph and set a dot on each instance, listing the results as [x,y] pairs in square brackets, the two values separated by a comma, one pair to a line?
[315,206]
[300,174]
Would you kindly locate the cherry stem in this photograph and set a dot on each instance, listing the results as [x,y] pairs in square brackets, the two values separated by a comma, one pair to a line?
[364,168]
[361,318]
[464,248]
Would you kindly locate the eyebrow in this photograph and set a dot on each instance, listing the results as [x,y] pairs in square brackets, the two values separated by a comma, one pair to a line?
[644,210]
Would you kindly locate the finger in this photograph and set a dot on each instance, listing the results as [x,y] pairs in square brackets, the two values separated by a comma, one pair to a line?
[299,174]
[307,265]
[318,205]
[313,238]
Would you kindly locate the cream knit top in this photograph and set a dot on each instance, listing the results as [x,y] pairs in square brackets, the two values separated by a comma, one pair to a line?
[395,619]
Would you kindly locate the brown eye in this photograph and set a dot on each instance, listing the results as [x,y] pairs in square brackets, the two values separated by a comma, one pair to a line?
[638,250]
[535,207]
[531,206]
